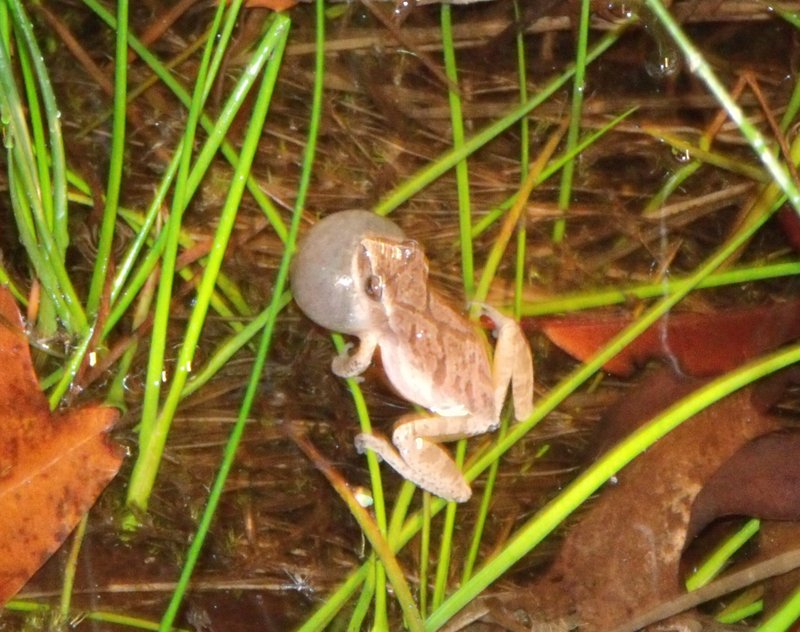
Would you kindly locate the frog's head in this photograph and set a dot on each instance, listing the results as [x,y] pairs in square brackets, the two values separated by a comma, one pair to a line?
[325,273]
[393,271]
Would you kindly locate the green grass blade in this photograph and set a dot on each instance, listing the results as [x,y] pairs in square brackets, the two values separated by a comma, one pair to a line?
[699,66]
[116,161]
[538,527]
[230,154]
[721,555]
[462,168]
[450,158]
[576,110]
[144,472]
[154,437]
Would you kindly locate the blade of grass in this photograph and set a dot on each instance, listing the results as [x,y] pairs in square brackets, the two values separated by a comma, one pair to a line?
[540,525]
[700,67]
[40,235]
[512,218]
[452,157]
[116,160]
[424,553]
[462,168]
[713,564]
[379,500]
[154,435]
[230,154]
[524,160]
[446,538]
[279,32]
[71,567]
[602,298]
[361,609]
[785,617]
[576,110]
[467,273]
[519,279]
[55,150]
[143,471]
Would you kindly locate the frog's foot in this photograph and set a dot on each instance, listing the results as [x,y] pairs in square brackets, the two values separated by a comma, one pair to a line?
[421,461]
[364,442]
[513,363]
[350,365]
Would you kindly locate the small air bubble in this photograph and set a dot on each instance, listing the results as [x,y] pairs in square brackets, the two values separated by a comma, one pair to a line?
[682,155]
[621,10]
[664,67]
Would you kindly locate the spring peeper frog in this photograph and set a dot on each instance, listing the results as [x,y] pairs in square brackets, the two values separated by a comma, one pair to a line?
[357,273]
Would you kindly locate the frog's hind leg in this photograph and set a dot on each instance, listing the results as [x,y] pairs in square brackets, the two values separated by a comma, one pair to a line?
[512,364]
[418,459]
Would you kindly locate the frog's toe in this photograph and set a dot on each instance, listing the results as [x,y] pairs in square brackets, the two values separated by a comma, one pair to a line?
[340,362]
[364,442]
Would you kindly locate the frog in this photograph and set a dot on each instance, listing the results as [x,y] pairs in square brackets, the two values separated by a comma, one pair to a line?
[358,273]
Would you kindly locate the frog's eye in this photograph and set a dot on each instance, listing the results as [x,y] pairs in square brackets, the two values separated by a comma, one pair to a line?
[374,287]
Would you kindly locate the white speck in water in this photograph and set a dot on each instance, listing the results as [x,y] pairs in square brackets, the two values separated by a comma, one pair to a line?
[363,496]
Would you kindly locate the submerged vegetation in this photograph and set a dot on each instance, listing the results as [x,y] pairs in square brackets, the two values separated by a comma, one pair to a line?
[552,158]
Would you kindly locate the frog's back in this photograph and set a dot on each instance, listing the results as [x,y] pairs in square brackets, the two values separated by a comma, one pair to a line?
[435,357]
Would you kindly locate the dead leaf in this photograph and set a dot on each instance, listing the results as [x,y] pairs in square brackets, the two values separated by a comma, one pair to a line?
[701,344]
[789,222]
[275,5]
[637,529]
[52,465]
[762,479]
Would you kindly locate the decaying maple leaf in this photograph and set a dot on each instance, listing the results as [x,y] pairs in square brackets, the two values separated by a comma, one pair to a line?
[699,343]
[53,466]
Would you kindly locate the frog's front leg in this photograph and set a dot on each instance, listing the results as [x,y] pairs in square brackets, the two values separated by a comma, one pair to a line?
[418,457]
[512,364]
[350,365]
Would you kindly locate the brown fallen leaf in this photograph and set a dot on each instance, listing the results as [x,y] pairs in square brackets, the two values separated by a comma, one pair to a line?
[701,344]
[789,222]
[767,469]
[274,5]
[52,465]
[637,529]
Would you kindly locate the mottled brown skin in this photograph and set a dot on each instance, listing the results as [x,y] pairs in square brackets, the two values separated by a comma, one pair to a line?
[435,358]
[357,273]
[422,332]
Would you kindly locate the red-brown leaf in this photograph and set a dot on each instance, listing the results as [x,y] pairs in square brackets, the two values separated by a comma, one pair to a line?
[275,5]
[701,344]
[52,466]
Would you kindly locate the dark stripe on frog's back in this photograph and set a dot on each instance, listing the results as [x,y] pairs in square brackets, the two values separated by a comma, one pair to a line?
[450,351]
